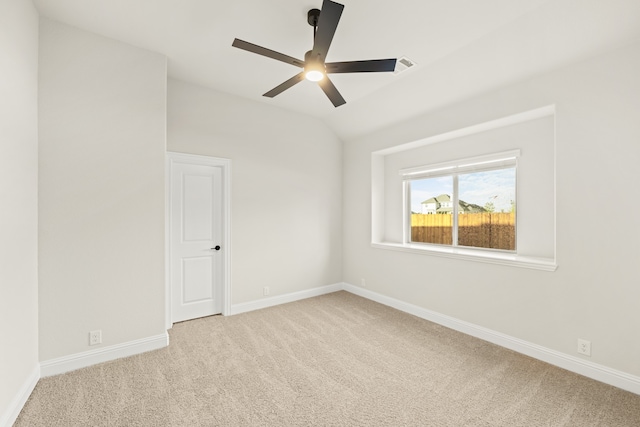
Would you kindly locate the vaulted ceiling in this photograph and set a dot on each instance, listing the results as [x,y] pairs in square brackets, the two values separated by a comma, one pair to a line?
[461,47]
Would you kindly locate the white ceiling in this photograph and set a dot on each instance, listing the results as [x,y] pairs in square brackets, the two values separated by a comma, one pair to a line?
[462,47]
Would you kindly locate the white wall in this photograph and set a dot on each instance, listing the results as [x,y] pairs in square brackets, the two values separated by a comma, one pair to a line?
[101,203]
[19,201]
[286,187]
[594,293]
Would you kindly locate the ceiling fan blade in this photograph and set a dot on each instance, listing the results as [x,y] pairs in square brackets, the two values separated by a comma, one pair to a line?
[241,44]
[284,86]
[330,90]
[327,24]
[370,66]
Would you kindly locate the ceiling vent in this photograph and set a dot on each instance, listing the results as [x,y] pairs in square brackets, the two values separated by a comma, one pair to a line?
[403,64]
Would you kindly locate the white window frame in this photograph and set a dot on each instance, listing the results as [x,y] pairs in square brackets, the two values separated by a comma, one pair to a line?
[488,162]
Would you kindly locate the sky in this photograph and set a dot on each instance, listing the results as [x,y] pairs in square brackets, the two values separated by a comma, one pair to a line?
[497,186]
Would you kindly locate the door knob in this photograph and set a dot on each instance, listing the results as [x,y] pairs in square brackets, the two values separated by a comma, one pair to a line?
[217,248]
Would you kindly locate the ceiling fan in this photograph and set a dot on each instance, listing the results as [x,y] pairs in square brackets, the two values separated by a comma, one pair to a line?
[324,23]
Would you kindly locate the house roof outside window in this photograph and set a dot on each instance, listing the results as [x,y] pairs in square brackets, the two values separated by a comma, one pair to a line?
[463,207]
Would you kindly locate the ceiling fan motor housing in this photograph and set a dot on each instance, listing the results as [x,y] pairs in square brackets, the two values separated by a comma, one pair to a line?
[309,59]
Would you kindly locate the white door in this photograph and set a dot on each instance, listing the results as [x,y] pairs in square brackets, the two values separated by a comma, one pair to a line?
[196,240]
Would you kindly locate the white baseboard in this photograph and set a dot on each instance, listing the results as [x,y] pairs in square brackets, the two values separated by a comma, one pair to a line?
[283,299]
[586,368]
[104,354]
[11,414]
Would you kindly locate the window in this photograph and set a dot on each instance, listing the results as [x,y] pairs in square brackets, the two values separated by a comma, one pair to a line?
[524,142]
[467,203]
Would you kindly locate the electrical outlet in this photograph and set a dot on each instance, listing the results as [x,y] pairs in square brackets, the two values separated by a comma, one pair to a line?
[584,347]
[265,291]
[95,337]
[363,283]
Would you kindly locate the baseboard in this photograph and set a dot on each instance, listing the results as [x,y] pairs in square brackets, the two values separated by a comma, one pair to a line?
[283,299]
[11,414]
[586,368]
[104,354]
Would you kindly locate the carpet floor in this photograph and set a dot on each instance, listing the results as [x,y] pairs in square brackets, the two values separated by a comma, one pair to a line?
[333,360]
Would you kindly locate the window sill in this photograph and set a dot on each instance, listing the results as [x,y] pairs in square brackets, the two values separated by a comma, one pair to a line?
[546,264]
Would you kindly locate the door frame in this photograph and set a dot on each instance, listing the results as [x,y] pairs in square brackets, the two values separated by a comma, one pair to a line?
[225,164]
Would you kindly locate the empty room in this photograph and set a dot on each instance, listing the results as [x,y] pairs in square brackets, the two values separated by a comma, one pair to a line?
[319,213]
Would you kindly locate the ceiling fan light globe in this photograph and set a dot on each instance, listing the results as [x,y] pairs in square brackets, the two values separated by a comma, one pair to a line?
[314,75]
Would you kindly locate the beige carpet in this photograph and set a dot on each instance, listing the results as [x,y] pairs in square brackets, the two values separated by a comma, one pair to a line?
[334,360]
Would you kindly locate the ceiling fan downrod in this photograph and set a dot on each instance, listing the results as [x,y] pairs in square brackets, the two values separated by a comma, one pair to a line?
[312,18]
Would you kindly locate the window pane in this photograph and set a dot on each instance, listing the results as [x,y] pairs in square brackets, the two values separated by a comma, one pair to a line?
[487,209]
[431,207]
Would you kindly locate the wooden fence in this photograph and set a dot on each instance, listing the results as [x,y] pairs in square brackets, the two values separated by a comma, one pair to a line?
[484,230]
